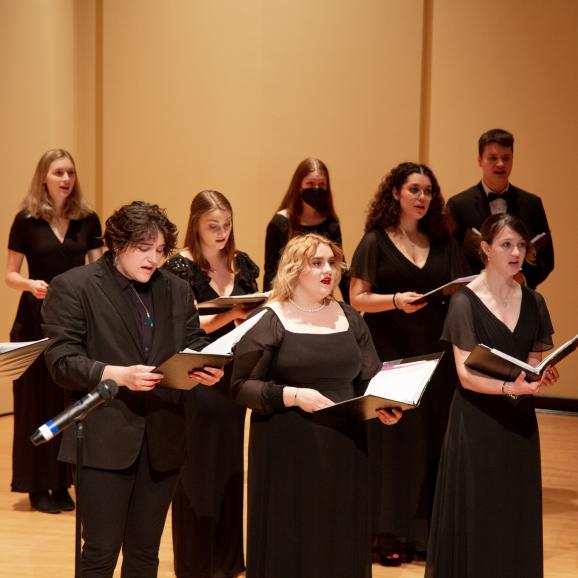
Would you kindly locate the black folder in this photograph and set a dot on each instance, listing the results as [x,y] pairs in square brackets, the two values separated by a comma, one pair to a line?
[444,291]
[500,365]
[176,369]
[365,406]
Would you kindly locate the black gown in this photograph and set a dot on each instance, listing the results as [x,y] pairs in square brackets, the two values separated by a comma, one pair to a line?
[277,237]
[36,397]
[307,501]
[487,518]
[207,510]
[403,460]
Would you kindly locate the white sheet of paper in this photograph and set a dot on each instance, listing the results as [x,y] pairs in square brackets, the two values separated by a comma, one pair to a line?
[224,345]
[403,382]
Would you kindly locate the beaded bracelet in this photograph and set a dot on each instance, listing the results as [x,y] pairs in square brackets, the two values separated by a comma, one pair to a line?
[507,390]
[394,303]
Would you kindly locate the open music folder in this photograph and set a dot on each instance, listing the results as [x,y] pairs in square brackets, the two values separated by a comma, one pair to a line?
[500,365]
[444,291]
[17,356]
[400,383]
[177,368]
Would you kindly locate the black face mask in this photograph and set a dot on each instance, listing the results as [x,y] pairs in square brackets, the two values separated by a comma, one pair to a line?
[316,198]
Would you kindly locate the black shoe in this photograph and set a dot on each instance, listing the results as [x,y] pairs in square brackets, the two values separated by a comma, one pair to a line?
[43,502]
[390,559]
[63,500]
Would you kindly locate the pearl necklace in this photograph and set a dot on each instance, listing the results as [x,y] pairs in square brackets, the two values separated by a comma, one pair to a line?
[306,309]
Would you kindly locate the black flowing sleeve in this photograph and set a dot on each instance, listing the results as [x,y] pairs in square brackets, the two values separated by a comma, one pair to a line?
[370,362]
[275,240]
[365,262]
[94,240]
[543,338]
[17,240]
[254,355]
[459,327]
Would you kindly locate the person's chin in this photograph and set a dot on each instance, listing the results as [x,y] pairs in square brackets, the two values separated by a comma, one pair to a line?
[143,276]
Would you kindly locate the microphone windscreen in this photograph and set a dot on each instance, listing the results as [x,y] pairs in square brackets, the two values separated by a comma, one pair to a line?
[107,389]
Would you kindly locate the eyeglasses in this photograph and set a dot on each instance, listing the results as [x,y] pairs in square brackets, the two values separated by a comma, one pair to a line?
[416,191]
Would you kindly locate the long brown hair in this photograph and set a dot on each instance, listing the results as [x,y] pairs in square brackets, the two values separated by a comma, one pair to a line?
[205,202]
[292,201]
[38,203]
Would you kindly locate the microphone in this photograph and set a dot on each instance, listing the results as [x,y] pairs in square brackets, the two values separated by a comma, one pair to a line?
[104,391]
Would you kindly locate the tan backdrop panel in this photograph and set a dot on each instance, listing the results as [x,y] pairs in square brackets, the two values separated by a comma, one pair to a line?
[512,65]
[233,95]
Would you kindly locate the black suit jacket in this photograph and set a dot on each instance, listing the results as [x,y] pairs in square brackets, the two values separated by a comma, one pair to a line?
[470,208]
[92,325]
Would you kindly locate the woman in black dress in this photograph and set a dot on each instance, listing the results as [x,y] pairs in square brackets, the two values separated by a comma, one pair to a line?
[208,504]
[54,231]
[406,251]
[307,207]
[487,518]
[308,505]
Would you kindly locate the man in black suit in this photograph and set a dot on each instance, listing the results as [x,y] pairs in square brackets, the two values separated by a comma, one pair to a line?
[495,194]
[118,318]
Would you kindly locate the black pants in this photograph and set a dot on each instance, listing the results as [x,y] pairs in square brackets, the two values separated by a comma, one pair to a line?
[128,509]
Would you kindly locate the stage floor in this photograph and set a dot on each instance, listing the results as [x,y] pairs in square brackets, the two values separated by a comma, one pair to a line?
[41,545]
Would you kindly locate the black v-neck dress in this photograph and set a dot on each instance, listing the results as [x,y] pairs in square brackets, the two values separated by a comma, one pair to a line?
[487,518]
[207,508]
[403,459]
[36,397]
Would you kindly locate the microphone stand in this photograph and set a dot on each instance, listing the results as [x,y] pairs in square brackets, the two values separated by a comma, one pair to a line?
[79,427]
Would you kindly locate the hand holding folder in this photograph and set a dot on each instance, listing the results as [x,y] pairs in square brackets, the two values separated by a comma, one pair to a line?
[399,384]
[176,369]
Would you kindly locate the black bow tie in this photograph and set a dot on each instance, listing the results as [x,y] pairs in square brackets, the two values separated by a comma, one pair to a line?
[506,195]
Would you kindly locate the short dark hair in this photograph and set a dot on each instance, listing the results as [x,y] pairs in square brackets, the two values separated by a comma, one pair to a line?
[498,136]
[136,222]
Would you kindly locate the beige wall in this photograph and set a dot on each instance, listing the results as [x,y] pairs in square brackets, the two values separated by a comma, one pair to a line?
[160,100]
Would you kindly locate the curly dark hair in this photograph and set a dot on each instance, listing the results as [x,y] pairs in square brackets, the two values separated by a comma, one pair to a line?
[139,221]
[384,209]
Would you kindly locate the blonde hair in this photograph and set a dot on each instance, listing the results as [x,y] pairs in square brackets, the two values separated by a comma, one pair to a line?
[296,257]
[38,203]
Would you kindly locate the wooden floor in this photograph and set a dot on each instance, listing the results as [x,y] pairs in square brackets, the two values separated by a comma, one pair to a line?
[42,545]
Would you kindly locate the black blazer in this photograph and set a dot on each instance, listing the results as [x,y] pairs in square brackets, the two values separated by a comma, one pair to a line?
[92,325]
[470,208]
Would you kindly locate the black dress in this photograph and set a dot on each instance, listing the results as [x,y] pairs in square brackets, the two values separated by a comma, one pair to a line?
[487,518]
[277,237]
[308,503]
[403,460]
[36,397]
[208,504]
